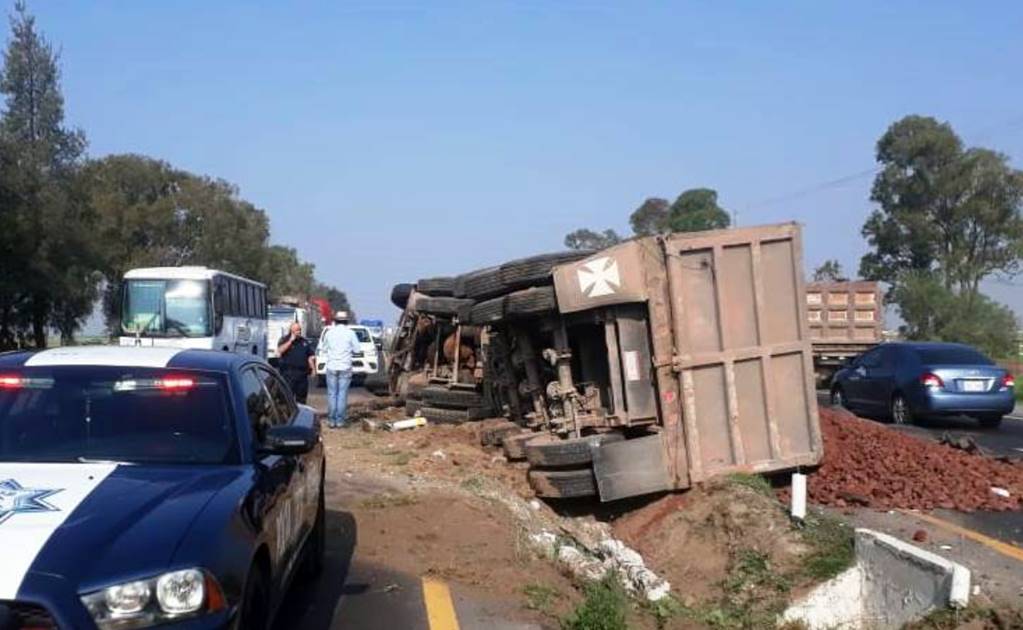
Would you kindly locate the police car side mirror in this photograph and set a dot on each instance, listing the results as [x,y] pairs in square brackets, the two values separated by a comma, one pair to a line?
[289,440]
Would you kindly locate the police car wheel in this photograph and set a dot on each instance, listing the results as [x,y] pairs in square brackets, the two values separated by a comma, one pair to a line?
[254,611]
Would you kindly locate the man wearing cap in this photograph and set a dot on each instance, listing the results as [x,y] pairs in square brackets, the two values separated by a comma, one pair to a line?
[297,361]
[339,343]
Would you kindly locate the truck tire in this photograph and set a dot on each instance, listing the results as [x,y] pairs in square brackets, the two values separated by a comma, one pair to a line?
[530,302]
[453,307]
[437,287]
[438,415]
[493,436]
[549,450]
[400,294]
[487,312]
[438,396]
[563,484]
[480,284]
[514,445]
[536,270]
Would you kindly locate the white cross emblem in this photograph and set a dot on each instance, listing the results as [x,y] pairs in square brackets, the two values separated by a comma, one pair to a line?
[599,277]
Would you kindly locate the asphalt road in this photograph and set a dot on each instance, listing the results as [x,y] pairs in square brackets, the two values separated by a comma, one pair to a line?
[353,592]
[1005,441]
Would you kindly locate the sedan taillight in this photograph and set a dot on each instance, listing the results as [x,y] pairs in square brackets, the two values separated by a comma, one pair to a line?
[932,381]
[1008,381]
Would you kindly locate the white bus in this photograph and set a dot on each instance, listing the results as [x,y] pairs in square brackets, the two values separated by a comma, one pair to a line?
[193,307]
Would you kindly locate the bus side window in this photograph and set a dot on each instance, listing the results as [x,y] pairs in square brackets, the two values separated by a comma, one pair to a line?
[253,305]
[245,299]
[232,303]
[219,305]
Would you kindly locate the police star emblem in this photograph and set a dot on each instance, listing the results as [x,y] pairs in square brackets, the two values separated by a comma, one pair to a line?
[16,499]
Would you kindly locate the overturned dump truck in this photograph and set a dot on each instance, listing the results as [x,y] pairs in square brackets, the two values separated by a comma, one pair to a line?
[649,366]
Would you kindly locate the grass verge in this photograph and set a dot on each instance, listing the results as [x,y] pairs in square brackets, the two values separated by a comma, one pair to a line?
[754,482]
[540,597]
[604,608]
[832,548]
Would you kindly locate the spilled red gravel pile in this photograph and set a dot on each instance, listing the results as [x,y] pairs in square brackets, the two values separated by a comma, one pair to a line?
[867,464]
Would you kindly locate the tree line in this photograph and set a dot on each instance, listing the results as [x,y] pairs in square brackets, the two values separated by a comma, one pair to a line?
[71,225]
[694,210]
[946,217]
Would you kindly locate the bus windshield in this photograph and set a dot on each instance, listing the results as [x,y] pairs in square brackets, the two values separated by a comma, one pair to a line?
[167,308]
[283,314]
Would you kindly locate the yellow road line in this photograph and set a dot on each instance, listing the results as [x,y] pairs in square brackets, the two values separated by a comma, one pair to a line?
[440,610]
[1005,549]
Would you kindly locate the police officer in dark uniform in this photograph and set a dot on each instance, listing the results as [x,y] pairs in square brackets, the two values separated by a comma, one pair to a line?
[297,361]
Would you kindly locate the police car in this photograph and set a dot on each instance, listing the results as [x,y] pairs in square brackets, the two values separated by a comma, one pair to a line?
[144,487]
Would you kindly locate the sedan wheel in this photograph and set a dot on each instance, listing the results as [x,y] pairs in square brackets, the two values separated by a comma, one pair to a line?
[838,398]
[901,413]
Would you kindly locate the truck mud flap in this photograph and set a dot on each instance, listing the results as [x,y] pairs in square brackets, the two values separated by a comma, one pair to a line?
[631,468]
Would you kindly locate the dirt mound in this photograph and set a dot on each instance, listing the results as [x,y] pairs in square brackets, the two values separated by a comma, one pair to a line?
[436,451]
[474,544]
[867,464]
[692,539]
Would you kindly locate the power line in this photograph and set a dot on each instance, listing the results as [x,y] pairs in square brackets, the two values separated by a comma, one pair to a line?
[981,136]
[833,183]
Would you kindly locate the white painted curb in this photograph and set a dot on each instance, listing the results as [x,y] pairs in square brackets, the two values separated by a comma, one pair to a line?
[957,590]
[892,583]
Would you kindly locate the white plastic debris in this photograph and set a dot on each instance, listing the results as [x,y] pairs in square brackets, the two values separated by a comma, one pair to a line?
[401,425]
[438,454]
[534,505]
[945,547]
[1002,492]
[580,564]
[798,496]
[635,576]
[545,539]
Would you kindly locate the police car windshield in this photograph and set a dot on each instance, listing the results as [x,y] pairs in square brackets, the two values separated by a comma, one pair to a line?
[141,416]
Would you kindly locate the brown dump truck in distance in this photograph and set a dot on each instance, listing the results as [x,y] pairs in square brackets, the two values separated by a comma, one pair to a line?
[845,320]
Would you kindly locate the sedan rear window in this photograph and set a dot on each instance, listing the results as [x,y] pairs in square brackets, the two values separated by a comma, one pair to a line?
[952,356]
[135,415]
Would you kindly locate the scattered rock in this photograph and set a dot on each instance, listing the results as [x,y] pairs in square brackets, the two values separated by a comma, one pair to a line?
[867,464]
[920,536]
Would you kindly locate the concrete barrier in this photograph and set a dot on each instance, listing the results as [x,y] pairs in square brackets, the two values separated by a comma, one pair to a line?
[892,583]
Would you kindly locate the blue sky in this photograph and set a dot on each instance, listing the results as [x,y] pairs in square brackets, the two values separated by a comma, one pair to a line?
[392,140]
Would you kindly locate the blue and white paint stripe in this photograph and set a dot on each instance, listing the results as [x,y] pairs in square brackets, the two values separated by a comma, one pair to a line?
[35,500]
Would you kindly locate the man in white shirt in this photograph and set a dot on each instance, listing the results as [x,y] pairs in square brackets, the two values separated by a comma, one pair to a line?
[339,343]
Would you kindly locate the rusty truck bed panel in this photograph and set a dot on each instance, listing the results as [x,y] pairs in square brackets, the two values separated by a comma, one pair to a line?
[730,343]
[744,358]
[844,312]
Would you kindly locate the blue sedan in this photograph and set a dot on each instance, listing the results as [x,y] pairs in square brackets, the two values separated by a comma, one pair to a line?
[905,381]
[144,487]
